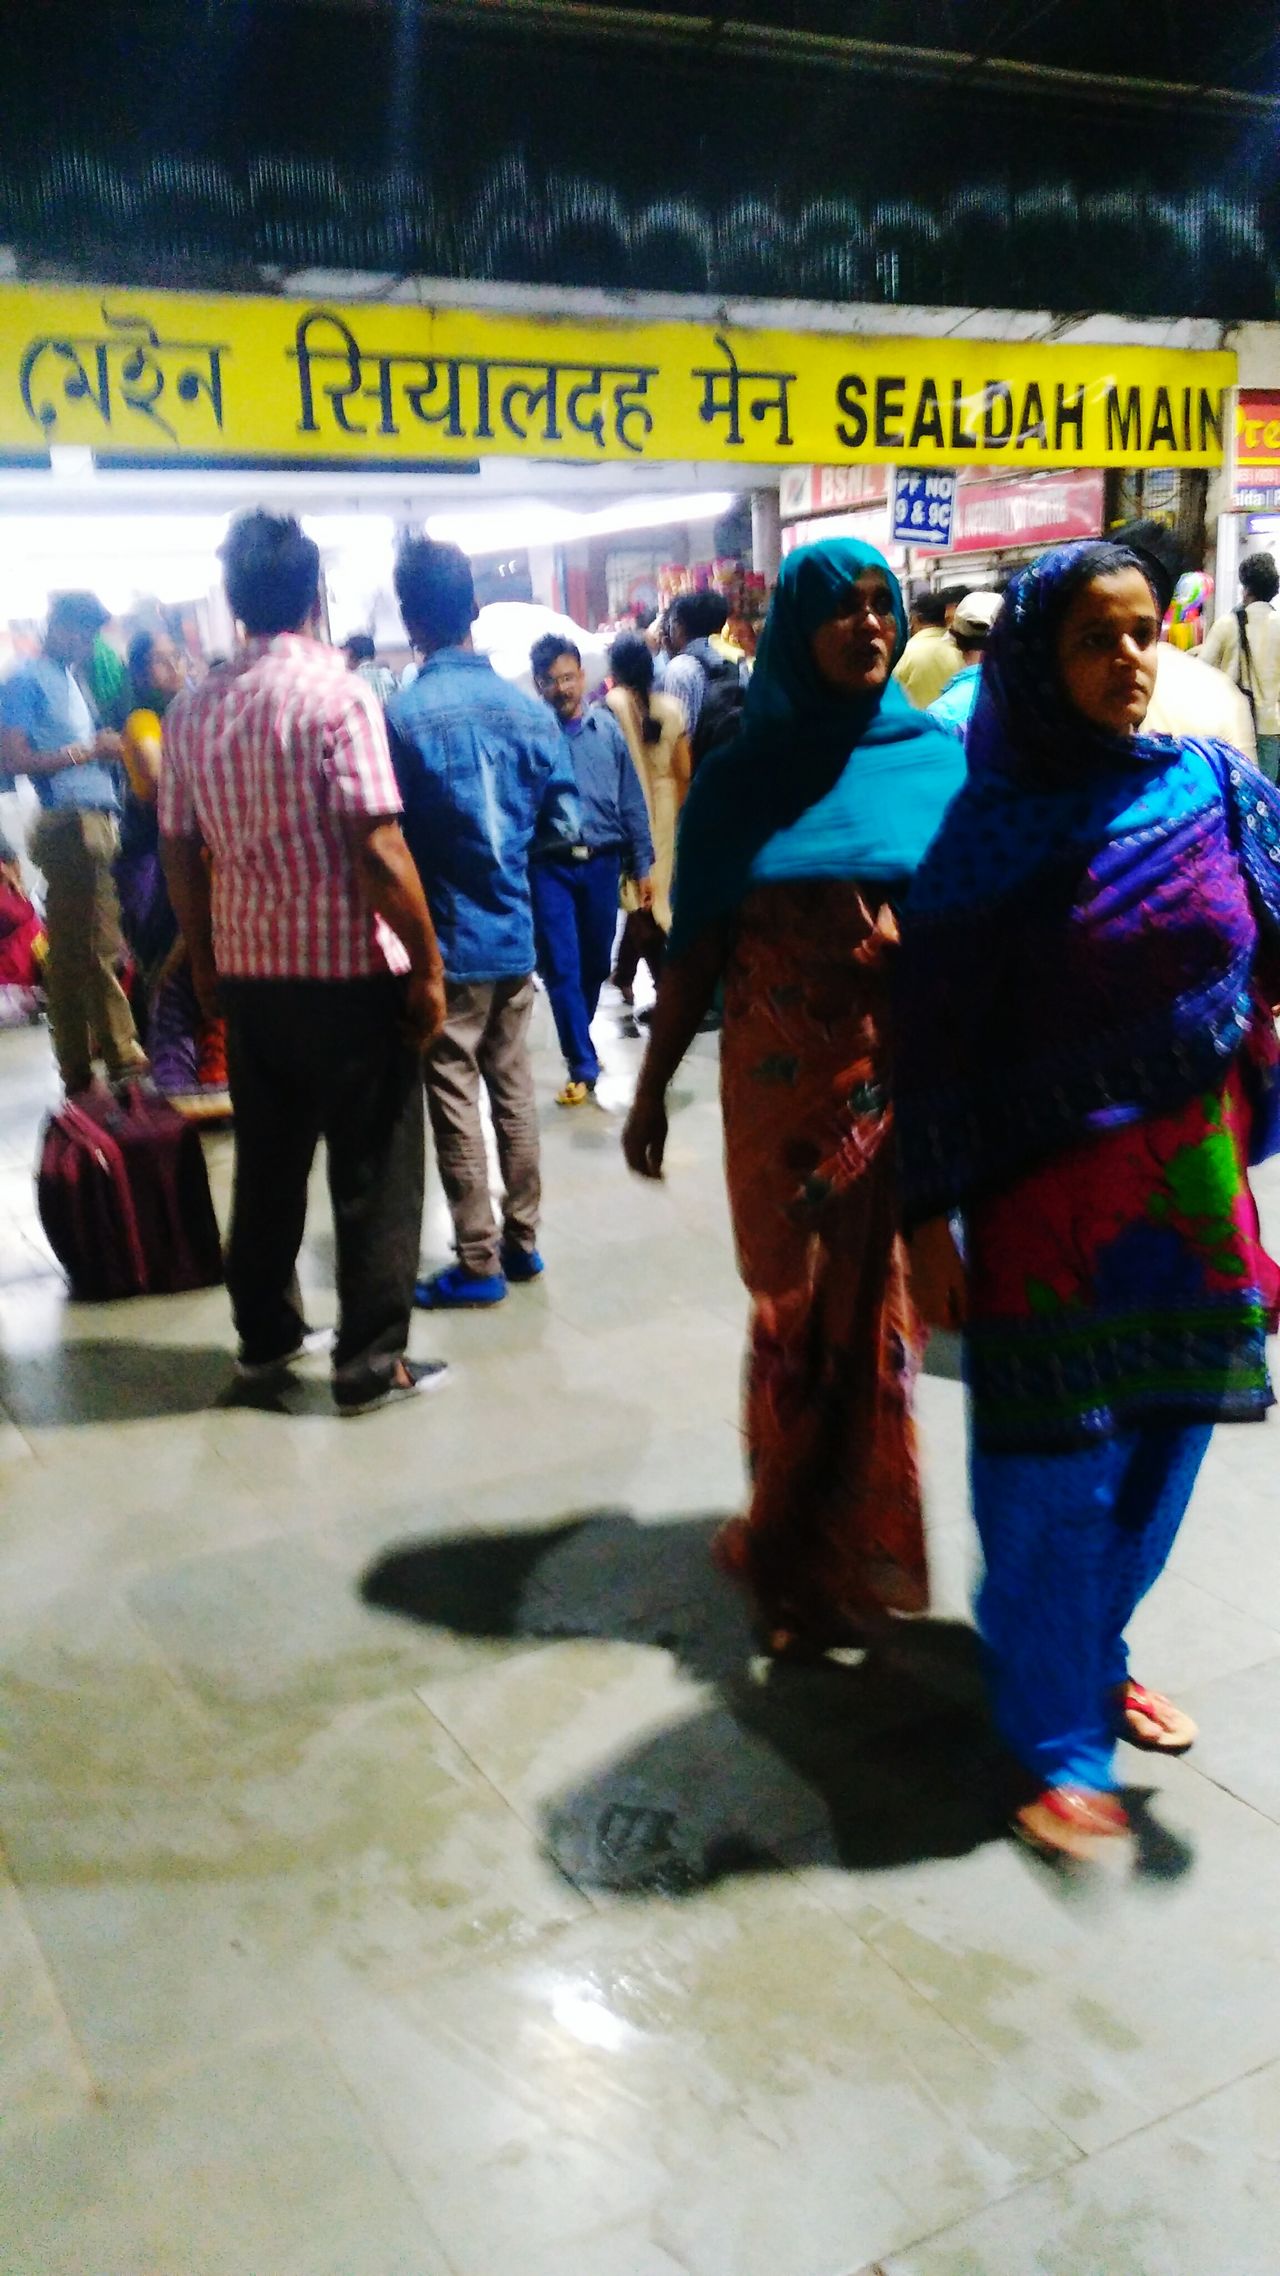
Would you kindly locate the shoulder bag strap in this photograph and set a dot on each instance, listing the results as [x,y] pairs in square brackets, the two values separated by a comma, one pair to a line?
[1246,684]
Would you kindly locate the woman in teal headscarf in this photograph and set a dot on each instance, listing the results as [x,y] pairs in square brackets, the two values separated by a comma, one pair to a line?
[796,842]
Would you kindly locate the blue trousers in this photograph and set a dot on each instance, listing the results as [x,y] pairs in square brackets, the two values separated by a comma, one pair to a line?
[1072,1543]
[575,916]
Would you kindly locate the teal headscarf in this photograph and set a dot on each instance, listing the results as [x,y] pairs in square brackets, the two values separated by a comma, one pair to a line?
[816,785]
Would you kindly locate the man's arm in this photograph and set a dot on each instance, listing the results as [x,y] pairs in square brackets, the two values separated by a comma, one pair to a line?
[186,873]
[22,714]
[1218,642]
[367,797]
[392,888]
[18,754]
[407,765]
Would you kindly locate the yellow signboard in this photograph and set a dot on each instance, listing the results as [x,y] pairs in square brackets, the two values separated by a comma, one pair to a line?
[172,376]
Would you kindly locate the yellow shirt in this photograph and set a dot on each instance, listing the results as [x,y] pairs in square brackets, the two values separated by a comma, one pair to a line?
[140,727]
[927,665]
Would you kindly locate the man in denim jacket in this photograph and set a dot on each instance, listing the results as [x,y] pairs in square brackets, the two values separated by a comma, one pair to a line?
[483,771]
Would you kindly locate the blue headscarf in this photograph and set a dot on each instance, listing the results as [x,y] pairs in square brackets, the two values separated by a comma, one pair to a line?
[1023,730]
[817,784]
[1081,943]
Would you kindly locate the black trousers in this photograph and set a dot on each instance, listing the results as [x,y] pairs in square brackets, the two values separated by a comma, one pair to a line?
[312,1059]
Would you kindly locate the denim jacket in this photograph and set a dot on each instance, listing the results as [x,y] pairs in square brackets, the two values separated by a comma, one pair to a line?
[483,769]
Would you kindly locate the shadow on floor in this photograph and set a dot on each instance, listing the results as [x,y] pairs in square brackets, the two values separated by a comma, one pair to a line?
[106,1380]
[870,1762]
[595,1573]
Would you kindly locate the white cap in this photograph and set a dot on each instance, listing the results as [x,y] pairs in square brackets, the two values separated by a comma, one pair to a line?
[976,614]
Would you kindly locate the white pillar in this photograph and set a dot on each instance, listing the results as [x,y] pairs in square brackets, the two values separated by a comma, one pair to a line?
[544,576]
[766,533]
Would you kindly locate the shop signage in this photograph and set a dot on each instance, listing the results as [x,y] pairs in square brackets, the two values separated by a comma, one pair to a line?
[806,490]
[163,376]
[870,523]
[923,504]
[1046,509]
[1257,447]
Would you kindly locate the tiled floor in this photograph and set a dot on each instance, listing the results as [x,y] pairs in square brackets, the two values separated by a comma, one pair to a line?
[410,1872]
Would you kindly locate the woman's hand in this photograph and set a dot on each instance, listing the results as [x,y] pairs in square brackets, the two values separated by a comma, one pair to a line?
[644,1140]
[938,1288]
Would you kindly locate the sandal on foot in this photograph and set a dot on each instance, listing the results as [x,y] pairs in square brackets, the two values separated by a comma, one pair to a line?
[1069,1821]
[576,1093]
[1150,1721]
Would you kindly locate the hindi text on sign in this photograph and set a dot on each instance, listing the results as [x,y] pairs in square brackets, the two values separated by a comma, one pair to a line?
[470,398]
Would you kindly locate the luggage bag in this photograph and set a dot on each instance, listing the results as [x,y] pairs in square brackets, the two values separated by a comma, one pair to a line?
[124,1199]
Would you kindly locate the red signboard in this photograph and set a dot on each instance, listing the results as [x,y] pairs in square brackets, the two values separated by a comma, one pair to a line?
[1041,509]
[1257,463]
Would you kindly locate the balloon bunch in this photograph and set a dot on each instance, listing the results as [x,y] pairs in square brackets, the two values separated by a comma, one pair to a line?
[1187,614]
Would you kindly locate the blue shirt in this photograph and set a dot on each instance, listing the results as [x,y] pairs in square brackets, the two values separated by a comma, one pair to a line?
[483,769]
[46,701]
[954,707]
[613,806]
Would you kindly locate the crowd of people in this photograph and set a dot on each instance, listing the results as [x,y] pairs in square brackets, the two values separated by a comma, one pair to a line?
[988,906]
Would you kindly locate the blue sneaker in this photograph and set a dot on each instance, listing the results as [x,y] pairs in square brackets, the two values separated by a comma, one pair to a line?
[521,1264]
[457,1290]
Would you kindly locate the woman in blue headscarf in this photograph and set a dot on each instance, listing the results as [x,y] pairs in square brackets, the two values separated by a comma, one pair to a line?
[796,843]
[1087,1066]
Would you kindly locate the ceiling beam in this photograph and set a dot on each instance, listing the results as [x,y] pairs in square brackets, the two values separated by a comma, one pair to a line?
[743,38]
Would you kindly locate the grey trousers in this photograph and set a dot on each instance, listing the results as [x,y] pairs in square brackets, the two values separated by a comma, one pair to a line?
[485,1039]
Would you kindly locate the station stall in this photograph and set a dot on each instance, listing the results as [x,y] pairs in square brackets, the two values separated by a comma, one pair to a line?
[999,520]
[1250,522]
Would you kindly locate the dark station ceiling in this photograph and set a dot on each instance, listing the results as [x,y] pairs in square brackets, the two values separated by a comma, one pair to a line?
[1062,154]
[1188,57]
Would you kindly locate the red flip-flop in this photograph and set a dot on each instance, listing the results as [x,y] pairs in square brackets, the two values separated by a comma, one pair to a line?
[1070,1821]
[1174,1732]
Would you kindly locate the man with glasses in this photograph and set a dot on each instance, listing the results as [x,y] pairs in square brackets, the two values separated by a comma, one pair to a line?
[575,887]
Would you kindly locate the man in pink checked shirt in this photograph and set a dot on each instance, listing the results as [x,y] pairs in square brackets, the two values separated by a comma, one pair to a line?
[305,922]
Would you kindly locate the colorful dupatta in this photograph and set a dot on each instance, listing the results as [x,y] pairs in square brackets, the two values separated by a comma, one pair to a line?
[1082,944]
